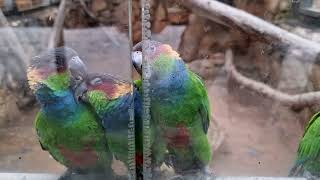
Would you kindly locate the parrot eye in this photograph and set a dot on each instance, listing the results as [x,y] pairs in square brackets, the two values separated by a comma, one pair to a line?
[152,48]
[96,81]
[78,78]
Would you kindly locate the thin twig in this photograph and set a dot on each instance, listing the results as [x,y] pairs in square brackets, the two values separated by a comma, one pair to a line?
[297,100]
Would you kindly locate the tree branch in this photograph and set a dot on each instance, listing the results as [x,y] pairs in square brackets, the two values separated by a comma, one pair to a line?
[56,36]
[298,100]
[254,26]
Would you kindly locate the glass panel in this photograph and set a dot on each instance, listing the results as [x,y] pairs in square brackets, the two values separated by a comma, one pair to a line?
[233,111]
[60,112]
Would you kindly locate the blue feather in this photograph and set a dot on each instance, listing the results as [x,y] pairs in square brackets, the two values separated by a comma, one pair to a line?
[58,105]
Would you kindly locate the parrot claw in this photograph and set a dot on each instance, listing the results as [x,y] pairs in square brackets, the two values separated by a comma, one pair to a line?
[156,172]
[176,177]
[66,175]
[83,175]
[207,174]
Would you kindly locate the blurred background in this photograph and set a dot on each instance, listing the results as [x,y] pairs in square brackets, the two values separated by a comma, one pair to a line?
[251,133]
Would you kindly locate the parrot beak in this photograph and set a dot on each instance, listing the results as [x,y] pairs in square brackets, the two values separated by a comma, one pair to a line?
[136,56]
[137,61]
[77,68]
[81,91]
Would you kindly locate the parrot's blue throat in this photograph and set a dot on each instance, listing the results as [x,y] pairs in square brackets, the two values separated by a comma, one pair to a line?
[57,105]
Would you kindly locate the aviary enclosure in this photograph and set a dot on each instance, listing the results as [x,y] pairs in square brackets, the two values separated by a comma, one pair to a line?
[155,89]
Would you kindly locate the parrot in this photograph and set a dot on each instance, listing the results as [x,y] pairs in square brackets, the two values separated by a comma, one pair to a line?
[307,162]
[111,99]
[68,129]
[180,108]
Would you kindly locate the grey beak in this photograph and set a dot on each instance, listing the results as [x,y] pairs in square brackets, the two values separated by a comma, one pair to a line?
[78,68]
[80,92]
[137,61]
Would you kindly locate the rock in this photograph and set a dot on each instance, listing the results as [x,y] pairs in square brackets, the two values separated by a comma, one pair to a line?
[9,111]
[265,9]
[178,15]
[105,17]
[191,38]
[98,5]
[76,17]
[160,19]
[208,68]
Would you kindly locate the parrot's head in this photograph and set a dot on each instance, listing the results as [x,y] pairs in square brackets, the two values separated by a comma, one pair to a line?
[53,72]
[161,56]
[98,90]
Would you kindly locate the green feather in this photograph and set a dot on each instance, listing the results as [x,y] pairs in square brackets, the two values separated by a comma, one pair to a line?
[58,81]
[309,147]
[191,110]
[81,131]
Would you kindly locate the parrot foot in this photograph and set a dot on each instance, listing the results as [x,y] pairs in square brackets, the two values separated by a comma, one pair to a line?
[207,173]
[66,175]
[156,172]
[83,175]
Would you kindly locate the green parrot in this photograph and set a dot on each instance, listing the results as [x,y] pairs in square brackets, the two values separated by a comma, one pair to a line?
[111,99]
[69,130]
[180,109]
[307,163]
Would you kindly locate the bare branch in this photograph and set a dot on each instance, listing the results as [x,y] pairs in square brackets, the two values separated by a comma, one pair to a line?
[57,32]
[298,100]
[254,26]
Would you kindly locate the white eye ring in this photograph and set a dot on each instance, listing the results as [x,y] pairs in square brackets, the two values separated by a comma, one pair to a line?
[78,78]
[96,81]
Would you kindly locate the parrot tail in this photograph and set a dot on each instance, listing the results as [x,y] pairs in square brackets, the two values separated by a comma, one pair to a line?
[297,169]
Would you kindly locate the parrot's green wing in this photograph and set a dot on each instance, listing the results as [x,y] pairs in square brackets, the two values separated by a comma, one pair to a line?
[313,119]
[309,147]
[204,108]
[310,143]
[43,147]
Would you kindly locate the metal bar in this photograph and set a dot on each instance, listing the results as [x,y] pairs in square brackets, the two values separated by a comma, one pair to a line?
[131,125]
[146,35]
[36,176]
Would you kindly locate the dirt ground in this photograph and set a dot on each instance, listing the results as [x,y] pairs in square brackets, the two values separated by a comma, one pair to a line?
[261,137]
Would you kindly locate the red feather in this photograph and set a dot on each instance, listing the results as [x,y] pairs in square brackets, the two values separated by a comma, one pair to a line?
[87,157]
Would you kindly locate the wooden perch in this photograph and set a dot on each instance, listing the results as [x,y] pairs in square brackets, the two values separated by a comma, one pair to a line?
[56,37]
[298,100]
[254,26]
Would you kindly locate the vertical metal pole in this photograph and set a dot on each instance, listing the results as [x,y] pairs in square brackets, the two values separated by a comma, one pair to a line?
[146,35]
[131,125]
